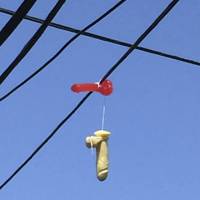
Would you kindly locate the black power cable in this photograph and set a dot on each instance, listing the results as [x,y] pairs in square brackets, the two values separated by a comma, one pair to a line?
[103,38]
[178,58]
[72,112]
[12,24]
[111,70]
[62,49]
[29,45]
[99,37]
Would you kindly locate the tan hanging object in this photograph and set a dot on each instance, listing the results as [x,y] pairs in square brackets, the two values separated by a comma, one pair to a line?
[100,141]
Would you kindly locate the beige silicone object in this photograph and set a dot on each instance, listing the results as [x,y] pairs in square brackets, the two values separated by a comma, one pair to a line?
[99,141]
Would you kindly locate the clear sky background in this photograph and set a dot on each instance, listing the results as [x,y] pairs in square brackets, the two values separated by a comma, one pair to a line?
[153,113]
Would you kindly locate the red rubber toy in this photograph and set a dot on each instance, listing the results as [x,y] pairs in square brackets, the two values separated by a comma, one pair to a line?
[104,88]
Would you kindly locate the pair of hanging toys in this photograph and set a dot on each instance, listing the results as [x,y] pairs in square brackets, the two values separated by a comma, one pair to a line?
[99,140]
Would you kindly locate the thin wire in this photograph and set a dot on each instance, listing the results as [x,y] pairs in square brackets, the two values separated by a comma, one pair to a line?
[63,48]
[103,38]
[114,67]
[30,157]
[29,45]
[174,57]
[140,39]
[12,24]
[103,115]
[92,147]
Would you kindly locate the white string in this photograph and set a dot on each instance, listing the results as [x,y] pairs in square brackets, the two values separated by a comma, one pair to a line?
[103,115]
[92,147]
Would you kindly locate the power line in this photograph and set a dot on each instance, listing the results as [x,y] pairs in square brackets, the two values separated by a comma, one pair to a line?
[140,39]
[109,72]
[74,110]
[178,58]
[103,38]
[62,49]
[29,45]
[12,24]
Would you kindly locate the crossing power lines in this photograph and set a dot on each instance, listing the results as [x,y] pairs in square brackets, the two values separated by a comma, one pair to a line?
[108,73]
[91,35]
[29,45]
[15,20]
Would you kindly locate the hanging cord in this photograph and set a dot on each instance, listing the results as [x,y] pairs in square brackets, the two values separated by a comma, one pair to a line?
[102,123]
[92,147]
[103,114]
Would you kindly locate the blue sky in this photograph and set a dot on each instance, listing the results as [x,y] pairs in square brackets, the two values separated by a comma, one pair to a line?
[153,113]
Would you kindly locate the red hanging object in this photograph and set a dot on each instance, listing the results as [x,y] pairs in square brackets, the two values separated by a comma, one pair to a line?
[105,88]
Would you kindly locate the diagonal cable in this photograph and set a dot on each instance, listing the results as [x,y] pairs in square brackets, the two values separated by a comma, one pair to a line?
[29,45]
[62,49]
[15,20]
[71,113]
[103,38]
[109,72]
[99,37]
